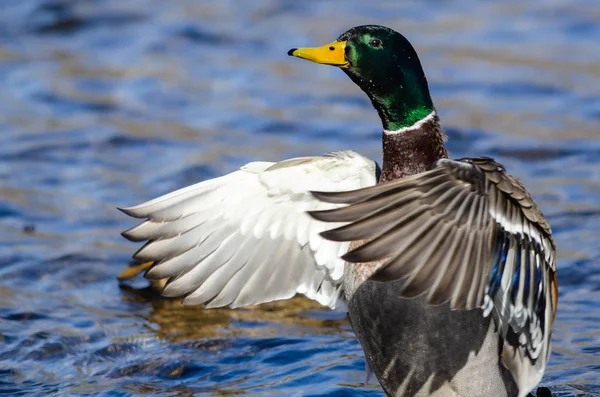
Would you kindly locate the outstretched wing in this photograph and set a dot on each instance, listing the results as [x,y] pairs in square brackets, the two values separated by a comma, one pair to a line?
[465,232]
[245,238]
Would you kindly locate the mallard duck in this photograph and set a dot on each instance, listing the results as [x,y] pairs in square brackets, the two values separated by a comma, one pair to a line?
[447,267]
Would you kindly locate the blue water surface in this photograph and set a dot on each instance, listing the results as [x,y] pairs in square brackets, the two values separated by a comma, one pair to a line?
[107,103]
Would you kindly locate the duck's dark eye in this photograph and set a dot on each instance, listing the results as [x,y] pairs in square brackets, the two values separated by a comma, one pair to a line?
[375,43]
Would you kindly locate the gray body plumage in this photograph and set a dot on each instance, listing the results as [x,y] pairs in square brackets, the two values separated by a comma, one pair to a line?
[419,350]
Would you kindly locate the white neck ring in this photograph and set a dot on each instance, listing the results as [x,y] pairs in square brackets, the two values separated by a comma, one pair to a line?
[413,127]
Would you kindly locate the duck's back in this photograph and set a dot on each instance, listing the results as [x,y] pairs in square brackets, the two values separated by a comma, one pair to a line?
[416,349]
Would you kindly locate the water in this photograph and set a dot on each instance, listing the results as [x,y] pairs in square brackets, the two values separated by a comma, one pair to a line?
[110,103]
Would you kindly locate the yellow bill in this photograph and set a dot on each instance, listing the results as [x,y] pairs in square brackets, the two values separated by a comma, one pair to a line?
[331,54]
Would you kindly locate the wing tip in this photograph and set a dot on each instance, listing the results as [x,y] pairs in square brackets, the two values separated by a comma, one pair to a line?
[142,257]
[134,211]
[171,291]
[127,210]
[328,216]
[317,215]
[332,235]
[353,256]
[149,273]
[130,235]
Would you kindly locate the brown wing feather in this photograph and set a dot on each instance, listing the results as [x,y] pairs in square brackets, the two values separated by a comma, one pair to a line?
[465,232]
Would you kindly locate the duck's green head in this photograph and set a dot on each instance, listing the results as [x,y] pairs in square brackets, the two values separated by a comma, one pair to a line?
[383,64]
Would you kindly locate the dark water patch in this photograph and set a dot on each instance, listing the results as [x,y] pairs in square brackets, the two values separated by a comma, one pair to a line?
[35,338]
[56,17]
[456,135]
[583,28]
[266,344]
[443,88]
[328,317]
[28,229]
[149,368]
[284,358]
[189,176]
[512,89]
[213,344]
[236,375]
[26,389]
[44,389]
[279,128]
[65,106]
[594,350]
[570,220]
[4,372]
[316,133]
[154,94]
[537,154]
[56,150]
[83,324]
[8,212]
[125,141]
[241,122]
[185,371]
[240,358]
[88,339]
[467,142]
[283,7]
[25,316]
[523,89]
[31,344]
[64,18]
[70,259]
[116,350]
[297,100]
[580,272]
[314,378]
[47,153]
[373,134]
[462,141]
[71,269]
[358,101]
[195,174]
[565,153]
[199,35]
[97,85]
[575,214]
[8,339]
[49,352]
[41,136]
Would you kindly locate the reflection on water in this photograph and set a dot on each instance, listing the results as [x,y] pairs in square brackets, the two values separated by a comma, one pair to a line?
[110,103]
[175,322]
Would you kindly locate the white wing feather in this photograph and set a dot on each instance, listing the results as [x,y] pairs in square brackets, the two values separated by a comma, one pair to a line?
[245,238]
